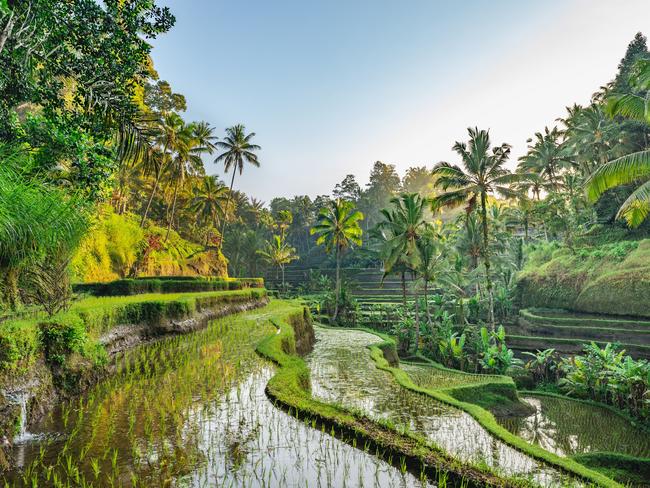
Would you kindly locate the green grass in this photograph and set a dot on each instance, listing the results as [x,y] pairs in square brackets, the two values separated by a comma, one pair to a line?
[625,469]
[167,284]
[610,408]
[531,315]
[22,340]
[606,279]
[496,393]
[577,342]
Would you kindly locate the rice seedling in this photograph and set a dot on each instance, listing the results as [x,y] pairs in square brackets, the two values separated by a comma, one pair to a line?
[569,427]
[192,411]
[343,372]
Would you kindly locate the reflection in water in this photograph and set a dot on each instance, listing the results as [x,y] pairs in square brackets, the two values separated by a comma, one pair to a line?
[191,411]
[566,428]
[343,372]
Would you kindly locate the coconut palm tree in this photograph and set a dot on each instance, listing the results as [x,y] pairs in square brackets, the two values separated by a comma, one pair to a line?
[545,157]
[404,225]
[338,229]
[279,254]
[434,264]
[170,127]
[192,141]
[237,151]
[483,172]
[209,200]
[633,167]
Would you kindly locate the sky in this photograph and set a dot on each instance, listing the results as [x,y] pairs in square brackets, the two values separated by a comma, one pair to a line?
[331,86]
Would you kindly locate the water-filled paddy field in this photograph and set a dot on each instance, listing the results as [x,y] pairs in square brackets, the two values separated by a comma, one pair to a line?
[567,428]
[343,372]
[191,411]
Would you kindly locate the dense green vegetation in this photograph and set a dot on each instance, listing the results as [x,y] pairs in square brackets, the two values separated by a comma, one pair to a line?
[79,329]
[111,228]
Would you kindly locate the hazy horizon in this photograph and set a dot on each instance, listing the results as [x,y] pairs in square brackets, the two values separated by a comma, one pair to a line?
[332,87]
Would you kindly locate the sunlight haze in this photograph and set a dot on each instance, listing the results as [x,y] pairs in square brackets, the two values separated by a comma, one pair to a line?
[331,87]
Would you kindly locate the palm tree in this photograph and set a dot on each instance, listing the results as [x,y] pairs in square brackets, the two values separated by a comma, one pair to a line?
[169,129]
[279,253]
[483,172]
[404,223]
[630,168]
[192,141]
[209,201]
[238,150]
[338,228]
[37,220]
[545,157]
[434,264]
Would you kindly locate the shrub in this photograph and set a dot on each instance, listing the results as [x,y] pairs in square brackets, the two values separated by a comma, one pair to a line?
[18,342]
[63,336]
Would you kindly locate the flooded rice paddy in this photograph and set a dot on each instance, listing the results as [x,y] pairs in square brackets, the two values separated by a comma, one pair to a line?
[435,378]
[191,412]
[567,428]
[343,372]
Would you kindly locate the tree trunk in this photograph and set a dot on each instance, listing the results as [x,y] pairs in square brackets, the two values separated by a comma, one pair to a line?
[6,32]
[225,214]
[403,290]
[11,287]
[155,186]
[284,287]
[417,320]
[153,192]
[338,283]
[486,261]
[426,301]
[171,217]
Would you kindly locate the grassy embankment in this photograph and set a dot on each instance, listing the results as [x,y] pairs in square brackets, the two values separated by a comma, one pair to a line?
[77,331]
[610,278]
[116,242]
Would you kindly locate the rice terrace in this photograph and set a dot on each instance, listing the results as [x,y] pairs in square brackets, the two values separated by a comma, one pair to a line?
[324,244]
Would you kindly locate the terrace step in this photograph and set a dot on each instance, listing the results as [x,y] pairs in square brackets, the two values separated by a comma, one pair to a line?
[565,346]
[568,332]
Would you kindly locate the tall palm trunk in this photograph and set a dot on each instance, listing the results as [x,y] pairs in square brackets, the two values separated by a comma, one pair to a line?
[403,289]
[153,192]
[426,301]
[486,261]
[171,216]
[11,287]
[155,186]
[225,214]
[417,318]
[337,292]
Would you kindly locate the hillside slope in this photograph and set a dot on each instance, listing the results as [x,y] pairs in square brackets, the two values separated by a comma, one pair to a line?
[605,279]
[116,245]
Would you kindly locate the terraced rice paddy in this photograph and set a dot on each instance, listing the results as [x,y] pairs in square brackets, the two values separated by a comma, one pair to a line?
[566,427]
[343,372]
[191,411]
[432,377]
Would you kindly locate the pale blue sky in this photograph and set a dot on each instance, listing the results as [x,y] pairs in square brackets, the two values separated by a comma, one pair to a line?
[331,86]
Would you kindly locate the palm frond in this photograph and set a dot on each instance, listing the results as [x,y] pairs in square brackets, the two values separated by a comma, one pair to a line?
[621,171]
